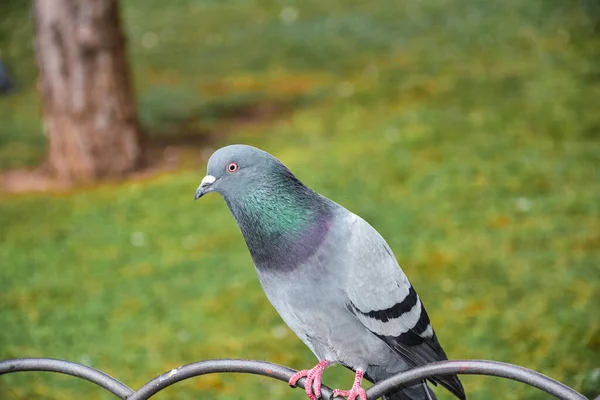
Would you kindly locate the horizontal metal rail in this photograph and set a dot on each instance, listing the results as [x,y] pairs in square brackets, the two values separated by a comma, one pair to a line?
[475,367]
[282,373]
[101,379]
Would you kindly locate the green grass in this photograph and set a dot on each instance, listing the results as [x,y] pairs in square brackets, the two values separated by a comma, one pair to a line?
[466,132]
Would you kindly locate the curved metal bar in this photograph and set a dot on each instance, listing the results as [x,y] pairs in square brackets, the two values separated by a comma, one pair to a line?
[469,367]
[255,367]
[475,367]
[101,379]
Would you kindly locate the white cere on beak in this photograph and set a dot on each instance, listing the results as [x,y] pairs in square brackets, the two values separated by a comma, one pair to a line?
[207,180]
[204,186]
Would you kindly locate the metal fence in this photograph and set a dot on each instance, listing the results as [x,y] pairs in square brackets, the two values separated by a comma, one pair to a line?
[282,373]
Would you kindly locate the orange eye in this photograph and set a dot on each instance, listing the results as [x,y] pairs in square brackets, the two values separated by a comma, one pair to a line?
[232,167]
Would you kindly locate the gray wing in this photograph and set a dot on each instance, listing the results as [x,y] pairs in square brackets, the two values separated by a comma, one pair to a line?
[384,301]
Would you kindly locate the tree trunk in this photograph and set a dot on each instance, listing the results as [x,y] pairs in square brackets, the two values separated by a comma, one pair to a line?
[88,106]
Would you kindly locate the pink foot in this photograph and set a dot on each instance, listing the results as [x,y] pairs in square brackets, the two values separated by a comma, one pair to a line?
[357,390]
[313,378]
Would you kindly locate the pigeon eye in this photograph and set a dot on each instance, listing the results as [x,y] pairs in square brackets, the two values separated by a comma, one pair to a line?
[232,167]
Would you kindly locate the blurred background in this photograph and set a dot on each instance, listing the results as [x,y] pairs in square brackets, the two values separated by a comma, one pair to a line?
[466,132]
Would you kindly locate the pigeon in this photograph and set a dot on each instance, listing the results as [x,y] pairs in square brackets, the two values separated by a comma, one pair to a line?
[330,275]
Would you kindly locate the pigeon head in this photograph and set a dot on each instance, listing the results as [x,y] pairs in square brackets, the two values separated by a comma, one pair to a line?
[238,169]
[274,210]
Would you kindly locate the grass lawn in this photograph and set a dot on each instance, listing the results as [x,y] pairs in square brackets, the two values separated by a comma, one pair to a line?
[466,132]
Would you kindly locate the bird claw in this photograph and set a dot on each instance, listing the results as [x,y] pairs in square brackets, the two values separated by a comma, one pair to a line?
[313,377]
[351,394]
[357,390]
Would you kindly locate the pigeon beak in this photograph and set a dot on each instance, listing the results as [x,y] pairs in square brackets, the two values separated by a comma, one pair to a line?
[205,186]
